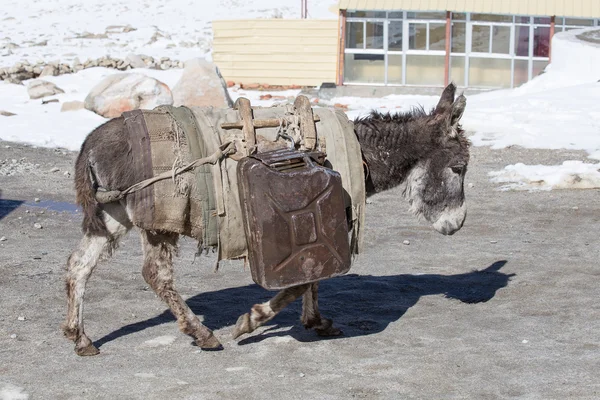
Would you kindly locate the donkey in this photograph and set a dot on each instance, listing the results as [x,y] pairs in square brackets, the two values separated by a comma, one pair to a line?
[426,154]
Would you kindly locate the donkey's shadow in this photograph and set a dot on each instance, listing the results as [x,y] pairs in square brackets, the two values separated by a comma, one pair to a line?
[358,304]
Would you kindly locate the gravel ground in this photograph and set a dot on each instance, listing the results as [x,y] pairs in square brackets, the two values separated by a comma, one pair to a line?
[506,308]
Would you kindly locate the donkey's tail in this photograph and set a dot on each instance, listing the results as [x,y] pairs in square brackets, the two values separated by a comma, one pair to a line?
[93,223]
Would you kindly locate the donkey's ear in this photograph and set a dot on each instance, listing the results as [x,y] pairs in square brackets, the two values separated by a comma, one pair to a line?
[458,108]
[446,100]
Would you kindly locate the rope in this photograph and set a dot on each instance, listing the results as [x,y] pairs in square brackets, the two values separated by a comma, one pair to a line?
[109,196]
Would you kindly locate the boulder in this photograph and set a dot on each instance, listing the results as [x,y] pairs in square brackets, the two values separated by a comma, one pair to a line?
[72,106]
[118,93]
[39,88]
[49,70]
[201,85]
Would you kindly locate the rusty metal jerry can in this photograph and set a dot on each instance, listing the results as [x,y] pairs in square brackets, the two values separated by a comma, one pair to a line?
[294,219]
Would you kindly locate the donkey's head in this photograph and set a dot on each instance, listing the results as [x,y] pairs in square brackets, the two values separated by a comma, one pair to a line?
[434,184]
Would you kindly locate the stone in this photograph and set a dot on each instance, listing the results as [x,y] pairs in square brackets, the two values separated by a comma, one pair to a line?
[72,106]
[6,113]
[201,85]
[3,239]
[122,92]
[135,61]
[37,225]
[49,70]
[406,242]
[39,88]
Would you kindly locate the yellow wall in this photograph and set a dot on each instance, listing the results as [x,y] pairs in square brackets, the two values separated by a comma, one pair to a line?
[560,8]
[276,51]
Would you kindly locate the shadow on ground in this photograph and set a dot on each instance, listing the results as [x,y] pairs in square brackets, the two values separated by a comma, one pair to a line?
[8,206]
[359,304]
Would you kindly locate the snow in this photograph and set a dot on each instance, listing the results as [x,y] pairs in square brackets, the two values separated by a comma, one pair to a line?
[12,392]
[558,109]
[569,175]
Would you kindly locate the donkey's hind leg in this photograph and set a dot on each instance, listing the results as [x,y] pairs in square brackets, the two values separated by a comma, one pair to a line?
[81,264]
[158,273]
[261,313]
[311,317]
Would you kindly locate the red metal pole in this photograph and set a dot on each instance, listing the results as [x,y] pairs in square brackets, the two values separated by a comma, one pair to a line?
[552,29]
[448,38]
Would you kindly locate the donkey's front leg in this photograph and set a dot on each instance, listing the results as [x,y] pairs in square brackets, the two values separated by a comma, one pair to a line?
[311,317]
[158,273]
[261,313]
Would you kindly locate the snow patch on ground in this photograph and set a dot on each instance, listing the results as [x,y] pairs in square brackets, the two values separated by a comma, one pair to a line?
[569,175]
[166,340]
[12,392]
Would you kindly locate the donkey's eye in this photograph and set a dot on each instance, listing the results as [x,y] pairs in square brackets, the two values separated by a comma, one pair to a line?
[457,169]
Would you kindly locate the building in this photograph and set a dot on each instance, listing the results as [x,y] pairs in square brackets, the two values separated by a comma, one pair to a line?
[416,43]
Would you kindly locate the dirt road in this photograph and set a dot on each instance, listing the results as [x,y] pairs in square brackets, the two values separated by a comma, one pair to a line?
[506,308]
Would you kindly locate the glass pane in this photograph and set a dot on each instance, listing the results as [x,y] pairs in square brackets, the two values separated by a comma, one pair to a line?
[480,42]
[489,72]
[521,72]
[522,20]
[501,40]
[538,67]
[395,35]
[395,69]
[364,68]
[457,70]
[417,36]
[366,14]
[437,36]
[543,21]
[492,18]
[459,37]
[541,42]
[426,15]
[425,70]
[579,22]
[522,41]
[396,14]
[459,16]
[354,35]
[374,35]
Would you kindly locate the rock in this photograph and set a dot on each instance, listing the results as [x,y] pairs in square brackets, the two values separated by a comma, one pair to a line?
[470,185]
[55,169]
[3,239]
[493,241]
[21,318]
[342,106]
[37,200]
[135,61]
[250,86]
[37,225]
[201,85]
[118,93]
[6,113]
[49,70]
[72,106]
[406,242]
[266,97]
[13,336]
[87,35]
[39,88]
[42,43]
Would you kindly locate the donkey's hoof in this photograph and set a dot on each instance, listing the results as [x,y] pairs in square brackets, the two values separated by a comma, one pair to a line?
[209,344]
[242,326]
[327,329]
[89,350]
